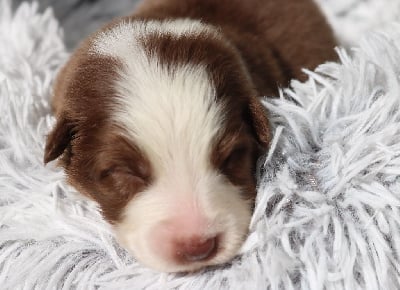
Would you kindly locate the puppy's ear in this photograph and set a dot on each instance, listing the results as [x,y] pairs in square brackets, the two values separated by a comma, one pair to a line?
[58,139]
[257,117]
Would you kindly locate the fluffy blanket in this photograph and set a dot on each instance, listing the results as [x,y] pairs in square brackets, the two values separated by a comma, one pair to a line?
[328,206]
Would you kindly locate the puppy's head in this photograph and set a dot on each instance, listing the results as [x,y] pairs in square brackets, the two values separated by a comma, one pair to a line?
[160,125]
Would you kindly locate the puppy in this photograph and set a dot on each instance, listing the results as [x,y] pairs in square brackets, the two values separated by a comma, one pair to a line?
[159,121]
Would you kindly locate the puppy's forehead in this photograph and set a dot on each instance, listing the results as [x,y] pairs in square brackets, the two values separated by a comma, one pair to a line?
[126,35]
[168,109]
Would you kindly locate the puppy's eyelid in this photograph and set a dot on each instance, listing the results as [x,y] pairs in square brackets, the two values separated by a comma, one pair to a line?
[106,173]
[115,169]
[141,173]
[238,147]
[237,151]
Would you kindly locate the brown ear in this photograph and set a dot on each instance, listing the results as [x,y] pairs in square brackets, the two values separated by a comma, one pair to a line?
[58,139]
[259,122]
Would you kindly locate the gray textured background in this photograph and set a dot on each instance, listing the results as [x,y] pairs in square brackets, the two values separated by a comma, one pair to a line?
[81,17]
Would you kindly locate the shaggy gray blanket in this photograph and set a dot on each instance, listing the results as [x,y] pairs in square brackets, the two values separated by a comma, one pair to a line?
[81,17]
[328,207]
[78,18]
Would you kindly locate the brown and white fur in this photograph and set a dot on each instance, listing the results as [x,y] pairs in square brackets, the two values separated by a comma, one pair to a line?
[158,119]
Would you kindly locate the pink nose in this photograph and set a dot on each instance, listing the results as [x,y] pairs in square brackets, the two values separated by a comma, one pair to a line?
[196,248]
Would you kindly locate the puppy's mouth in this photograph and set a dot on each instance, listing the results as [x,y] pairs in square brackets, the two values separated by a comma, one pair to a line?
[189,253]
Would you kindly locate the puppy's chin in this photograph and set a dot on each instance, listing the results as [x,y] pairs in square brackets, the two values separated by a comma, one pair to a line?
[170,231]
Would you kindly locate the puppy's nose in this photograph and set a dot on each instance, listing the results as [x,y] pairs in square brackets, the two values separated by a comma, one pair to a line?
[197,248]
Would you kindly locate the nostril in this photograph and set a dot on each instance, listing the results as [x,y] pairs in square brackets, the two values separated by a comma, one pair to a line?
[197,249]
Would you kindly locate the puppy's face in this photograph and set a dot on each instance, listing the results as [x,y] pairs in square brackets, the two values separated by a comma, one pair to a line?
[159,124]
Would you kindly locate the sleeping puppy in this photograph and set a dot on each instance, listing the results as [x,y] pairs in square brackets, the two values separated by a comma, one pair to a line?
[159,121]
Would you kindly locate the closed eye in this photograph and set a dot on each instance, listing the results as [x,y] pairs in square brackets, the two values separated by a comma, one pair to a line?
[106,173]
[236,157]
[123,179]
[115,170]
[238,165]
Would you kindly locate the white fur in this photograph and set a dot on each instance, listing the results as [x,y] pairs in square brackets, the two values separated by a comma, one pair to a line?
[173,117]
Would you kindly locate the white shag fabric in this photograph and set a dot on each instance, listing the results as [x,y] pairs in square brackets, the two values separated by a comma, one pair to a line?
[328,208]
[353,18]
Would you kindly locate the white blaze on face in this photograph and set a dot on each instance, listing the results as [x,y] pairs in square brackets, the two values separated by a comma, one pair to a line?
[172,116]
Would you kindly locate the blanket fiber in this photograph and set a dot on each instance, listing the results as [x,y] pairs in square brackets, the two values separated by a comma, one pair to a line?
[328,205]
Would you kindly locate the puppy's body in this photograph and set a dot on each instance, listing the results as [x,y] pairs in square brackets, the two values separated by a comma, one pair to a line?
[158,119]
[275,39]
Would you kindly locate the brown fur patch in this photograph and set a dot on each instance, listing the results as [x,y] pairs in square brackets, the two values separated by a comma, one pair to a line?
[97,159]
[109,169]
